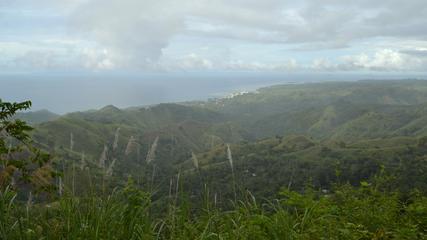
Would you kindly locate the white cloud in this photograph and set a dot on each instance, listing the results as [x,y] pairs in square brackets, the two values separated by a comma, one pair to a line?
[37,59]
[322,64]
[417,52]
[96,59]
[134,31]
[286,66]
[194,62]
[135,34]
[383,60]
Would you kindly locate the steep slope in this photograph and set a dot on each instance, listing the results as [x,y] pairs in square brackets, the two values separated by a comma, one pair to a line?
[178,127]
[280,136]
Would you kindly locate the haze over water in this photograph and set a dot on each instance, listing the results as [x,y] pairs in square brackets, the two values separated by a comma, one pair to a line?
[66,93]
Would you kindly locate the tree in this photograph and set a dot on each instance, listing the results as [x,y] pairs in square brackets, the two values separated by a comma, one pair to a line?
[21,165]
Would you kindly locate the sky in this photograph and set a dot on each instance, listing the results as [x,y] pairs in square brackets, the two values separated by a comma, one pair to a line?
[209,37]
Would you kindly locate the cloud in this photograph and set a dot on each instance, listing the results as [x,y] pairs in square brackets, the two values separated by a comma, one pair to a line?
[421,53]
[134,31]
[285,66]
[322,64]
[313,21]
[194,62]
[137,32]
[64,56]
[95,59]
[31,4]
[37,59]
[384,60]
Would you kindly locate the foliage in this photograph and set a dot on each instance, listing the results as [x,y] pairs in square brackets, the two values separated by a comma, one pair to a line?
[309,161]
[21,163]
[346,213]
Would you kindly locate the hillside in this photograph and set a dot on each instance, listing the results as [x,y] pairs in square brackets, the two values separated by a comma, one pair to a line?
[127,136]
[309,161]
[348,111]
[267,130]
[213,120]
[295,162]
[36,117]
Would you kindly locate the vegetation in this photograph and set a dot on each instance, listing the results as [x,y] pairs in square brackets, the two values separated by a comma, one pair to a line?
[22,166]
[36,117]
[346,213]
[310,161]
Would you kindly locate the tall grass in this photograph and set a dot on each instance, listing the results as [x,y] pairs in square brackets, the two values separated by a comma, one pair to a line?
[60,186]
[116,139]
[350,213]
[132,212]
[151,155]
[103,157]
[71,142]
[82,161]
[195,160]
[110,168]
[230,161]
[130,145]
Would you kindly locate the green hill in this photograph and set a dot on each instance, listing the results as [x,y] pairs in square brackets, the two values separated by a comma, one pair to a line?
[323,110]
[308,161]
[283,135]
[265,167]
[37,117]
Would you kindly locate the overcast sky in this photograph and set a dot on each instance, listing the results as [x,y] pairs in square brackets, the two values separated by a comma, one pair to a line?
[68,55]
[213,35]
